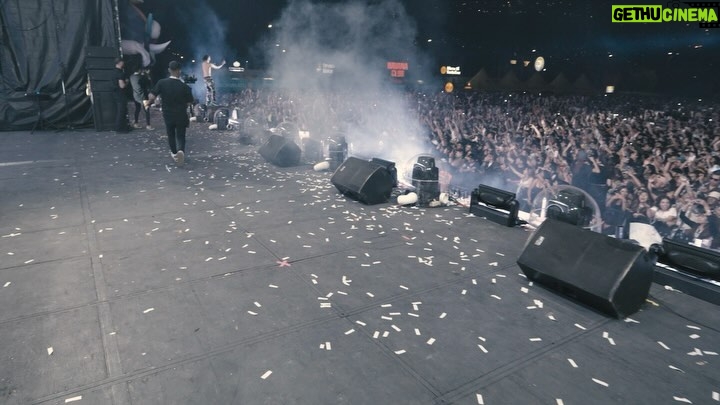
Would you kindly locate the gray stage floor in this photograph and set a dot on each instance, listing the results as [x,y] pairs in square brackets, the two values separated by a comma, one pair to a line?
[126,280]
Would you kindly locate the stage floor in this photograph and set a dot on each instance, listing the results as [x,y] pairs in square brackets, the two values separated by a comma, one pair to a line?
[126,280]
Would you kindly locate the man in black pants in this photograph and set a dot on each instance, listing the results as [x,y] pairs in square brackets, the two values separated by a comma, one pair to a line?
[121,82]
[176,97]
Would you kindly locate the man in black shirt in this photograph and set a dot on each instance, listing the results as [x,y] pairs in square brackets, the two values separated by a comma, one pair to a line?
[176,96]
[121,82]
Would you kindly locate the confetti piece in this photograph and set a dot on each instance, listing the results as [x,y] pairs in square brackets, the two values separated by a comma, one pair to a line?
[252,313]
[612,341]
[572,363]
[559,401]
[601,382]
[535,339]
[681,399]
[376,335]
[386,334]
[385,305]
[664,346]
[272,286]
[412,314]
[496,297]
[430,341]
[524,290]
[696,352]
[350,331]
[480,400]
[403,287]
[387,318]
[29,261]
[551,317]
[6,284]
[257,304]
[73,399]
[396,328]
[148,310]
[694,336]
[577,325]
[716,396]
[417,331]
[369,294]
[328,346]
[484,350]
[361,323]
[675,368]
[443,315]
[266,375]
[50,351]
[399,351]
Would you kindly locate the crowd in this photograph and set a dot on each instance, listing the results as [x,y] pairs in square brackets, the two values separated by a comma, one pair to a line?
[642,159]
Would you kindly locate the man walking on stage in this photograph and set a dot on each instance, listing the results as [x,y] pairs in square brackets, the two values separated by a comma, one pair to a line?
[176,97]
[207,67]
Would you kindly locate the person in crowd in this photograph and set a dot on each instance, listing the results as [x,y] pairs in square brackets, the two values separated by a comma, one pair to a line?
[663,216]
[176,98]
[639,207]
[695,227]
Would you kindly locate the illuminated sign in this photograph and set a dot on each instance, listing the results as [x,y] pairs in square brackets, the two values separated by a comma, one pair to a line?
[325,68]
[450,70]
[397,69]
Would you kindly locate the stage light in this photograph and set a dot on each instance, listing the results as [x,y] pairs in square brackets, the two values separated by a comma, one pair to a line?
[497,205]
[569,206]
[337,151]
[425,179]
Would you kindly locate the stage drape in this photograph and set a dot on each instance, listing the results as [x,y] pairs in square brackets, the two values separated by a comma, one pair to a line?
[42,60]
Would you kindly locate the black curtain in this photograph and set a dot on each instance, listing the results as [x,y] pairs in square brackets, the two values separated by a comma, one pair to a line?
[42,59]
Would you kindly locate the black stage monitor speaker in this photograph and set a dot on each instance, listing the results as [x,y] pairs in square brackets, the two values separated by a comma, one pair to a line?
[104,110]
[389,166]
[610,275]
[280,151]
[363,181]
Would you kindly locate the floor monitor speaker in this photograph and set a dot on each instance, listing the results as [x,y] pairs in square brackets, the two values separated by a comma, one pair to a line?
[281,151]
[364,181]
[608,274]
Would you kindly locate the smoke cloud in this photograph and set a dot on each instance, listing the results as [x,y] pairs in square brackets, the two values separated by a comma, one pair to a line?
[207,35]
[354,40]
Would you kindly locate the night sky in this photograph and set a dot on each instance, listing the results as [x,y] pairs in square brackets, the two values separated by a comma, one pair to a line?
[570,35]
